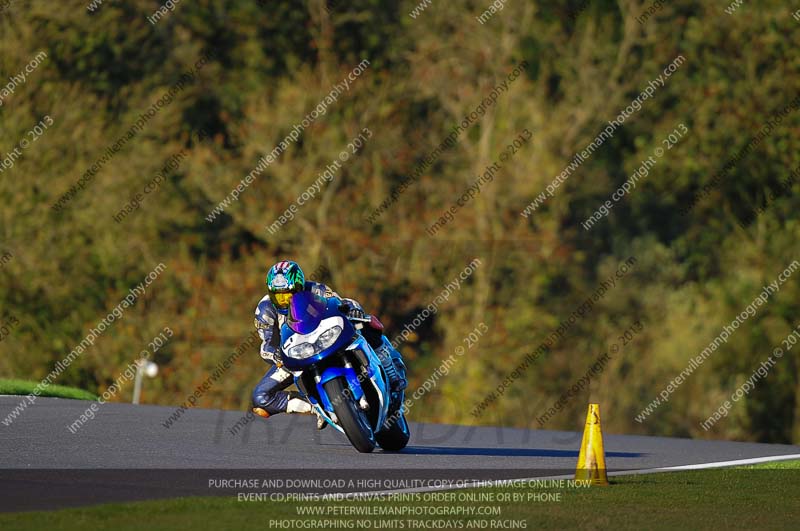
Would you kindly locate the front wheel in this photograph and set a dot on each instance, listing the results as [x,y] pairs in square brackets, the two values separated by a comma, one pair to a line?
[353,420]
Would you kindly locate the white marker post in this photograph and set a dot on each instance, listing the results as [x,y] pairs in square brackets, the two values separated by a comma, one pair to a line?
[143,367]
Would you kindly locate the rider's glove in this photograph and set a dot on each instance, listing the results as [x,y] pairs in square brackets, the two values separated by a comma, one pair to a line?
[356,313]
[270,354]
[352,311]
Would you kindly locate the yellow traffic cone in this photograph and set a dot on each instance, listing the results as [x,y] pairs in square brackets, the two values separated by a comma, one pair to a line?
[592,459]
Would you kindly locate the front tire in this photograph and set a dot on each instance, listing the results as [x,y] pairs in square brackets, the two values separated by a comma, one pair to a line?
[354,421]
[396,437]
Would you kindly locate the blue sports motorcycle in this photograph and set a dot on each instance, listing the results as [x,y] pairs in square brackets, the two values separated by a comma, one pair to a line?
[341,375]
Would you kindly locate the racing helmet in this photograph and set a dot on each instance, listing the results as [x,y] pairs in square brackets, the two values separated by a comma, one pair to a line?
[284,279]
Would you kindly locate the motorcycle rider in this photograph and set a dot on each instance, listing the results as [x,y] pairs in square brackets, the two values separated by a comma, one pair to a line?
[284,279]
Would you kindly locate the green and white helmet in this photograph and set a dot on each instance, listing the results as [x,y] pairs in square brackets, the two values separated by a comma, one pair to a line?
[283,280]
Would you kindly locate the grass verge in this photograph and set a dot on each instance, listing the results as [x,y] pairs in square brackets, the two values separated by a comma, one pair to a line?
[24,387]
[758,497]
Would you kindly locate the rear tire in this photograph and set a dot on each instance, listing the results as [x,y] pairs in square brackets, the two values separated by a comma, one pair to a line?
[353,420]
[396,437]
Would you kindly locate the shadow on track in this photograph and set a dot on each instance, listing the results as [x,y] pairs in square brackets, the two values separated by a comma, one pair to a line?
[504,452]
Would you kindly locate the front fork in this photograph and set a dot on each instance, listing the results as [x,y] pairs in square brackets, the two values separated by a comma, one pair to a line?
[370,361]
[353,383]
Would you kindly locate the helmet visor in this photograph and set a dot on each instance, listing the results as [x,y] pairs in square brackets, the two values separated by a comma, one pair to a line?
[281,299]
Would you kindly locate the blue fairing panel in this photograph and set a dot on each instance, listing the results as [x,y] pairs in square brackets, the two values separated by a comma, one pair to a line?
[335,372]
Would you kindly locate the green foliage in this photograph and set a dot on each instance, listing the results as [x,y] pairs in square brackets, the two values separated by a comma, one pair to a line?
[275,61]
[24,387]
[763,496]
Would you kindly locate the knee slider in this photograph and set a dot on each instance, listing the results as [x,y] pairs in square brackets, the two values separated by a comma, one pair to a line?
[260,412]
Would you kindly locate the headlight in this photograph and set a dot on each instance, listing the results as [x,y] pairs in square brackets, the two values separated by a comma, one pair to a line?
[301,351]
[323,341]
[328,337]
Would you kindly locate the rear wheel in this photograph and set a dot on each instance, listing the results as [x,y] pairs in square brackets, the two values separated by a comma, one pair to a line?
[353,420]
[396,437]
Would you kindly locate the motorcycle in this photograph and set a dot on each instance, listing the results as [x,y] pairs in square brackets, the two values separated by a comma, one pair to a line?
[341,375]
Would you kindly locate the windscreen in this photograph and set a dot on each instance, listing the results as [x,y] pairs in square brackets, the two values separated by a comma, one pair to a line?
[305,312]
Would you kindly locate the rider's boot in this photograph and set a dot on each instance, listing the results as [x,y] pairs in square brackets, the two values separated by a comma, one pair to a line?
[321,422]
[300,406]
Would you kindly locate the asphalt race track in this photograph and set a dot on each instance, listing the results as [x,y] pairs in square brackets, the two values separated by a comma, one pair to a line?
[126,453]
